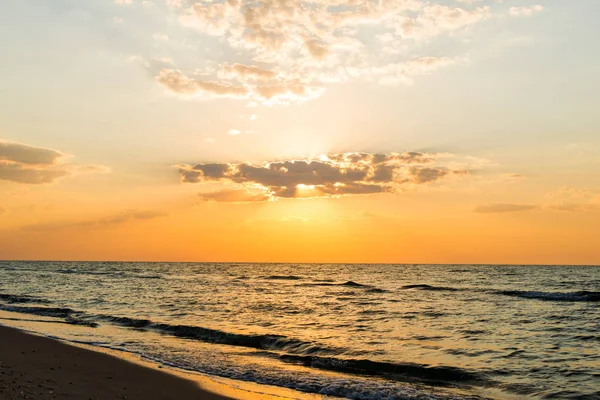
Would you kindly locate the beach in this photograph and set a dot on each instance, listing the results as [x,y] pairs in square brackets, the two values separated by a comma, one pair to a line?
[35,367]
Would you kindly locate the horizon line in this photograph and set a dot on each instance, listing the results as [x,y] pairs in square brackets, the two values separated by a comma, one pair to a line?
[306,263]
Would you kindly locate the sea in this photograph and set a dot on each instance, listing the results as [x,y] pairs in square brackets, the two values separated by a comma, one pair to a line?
[335,330]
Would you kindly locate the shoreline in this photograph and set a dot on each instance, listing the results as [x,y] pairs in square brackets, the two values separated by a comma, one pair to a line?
[43,368]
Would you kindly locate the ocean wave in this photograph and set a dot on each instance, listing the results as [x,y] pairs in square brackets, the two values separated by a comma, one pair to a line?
[348,284]
[282,278]
[333,283]
[356,386]
[84,272]
[422,286]
[146,276]
[261,342]
[397,371]
[11,298]
[55,312]
[582,295]
[115,274]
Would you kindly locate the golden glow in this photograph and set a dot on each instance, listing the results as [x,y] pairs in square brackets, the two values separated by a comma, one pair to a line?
[406,145]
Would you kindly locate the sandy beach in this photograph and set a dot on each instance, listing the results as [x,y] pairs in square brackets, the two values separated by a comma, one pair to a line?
[34,367]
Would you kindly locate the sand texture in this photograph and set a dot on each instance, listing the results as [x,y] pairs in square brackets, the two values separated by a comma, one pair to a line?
[34,367]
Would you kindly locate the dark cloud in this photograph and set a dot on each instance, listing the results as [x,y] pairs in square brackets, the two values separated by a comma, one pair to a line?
[25,154]
[504,208]
[204,172]
[425,175]
[330,175]
[120,218]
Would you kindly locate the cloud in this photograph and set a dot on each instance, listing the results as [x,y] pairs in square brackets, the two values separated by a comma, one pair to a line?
[504,208]
[421,175]
[436,19]
[298,47]
[123,2]
[269,94]
[525,11]
[112,220]
[32,165]
[25,154]
[19,173]
[175,81]
[329,176]
[245,72]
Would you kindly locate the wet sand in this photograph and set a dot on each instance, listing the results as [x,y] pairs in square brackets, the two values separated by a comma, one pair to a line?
[35,367]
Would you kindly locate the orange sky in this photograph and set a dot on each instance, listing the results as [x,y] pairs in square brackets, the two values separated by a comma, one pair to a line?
[393,132]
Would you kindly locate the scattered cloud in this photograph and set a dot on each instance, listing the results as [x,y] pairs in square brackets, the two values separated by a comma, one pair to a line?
[176,82]
[525,11]
[504,208]
[330,176]
[294,49]
[247,72]
[27,164]
[123,2]
[268,94]
[435,20]
[234,132]
[112,220]
[209,140]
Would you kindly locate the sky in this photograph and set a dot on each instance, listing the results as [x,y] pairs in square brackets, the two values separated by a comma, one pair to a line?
[379,131]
